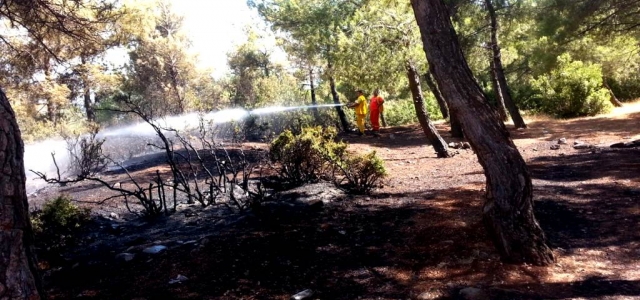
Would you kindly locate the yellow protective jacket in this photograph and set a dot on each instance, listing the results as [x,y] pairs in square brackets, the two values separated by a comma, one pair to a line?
[361,105]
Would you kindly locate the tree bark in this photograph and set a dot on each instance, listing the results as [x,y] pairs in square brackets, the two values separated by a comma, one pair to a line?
[428,128]
[508,209]
[336,100]
[91,114]
[312,86]
[456,129]
[88,106]
[500,108]
[173,74]
[498,70]
[52,111]
[18,271]
[434,89]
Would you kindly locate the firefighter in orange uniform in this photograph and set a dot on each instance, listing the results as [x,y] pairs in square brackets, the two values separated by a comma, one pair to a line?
[375,110]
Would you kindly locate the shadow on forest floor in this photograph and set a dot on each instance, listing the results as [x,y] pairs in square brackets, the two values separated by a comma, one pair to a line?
[412,135]
[613,164]
[389,247]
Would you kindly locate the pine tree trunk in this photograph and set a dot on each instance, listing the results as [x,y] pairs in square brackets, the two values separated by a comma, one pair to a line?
[18,272]
[88,107]
[612,97]
[312,86]
[508,210]
[498,70]
[91,114]
[175,85]
[423,117]
[456,129]
[52,111]
[336,100]
[434,89]
[500,108]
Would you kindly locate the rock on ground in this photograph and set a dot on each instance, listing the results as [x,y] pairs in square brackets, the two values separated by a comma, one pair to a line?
[581,145]
[154,249]
[306,294]
[125,256]
[632,144]
[178,279]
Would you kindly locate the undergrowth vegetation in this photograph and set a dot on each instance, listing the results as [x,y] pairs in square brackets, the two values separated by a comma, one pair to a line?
[363,173]
[625,89]
[57,224]
[315,154]
[307,156]
[573,89]
[403,112]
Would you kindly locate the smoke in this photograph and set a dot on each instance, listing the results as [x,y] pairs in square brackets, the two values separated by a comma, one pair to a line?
[129,141]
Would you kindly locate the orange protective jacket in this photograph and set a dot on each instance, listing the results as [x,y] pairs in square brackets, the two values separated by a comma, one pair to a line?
[376,104]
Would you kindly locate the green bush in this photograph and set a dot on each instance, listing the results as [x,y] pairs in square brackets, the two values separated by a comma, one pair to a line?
[400,112]
[573,89]
[57,224]
[627,88]
[526,96]
[363,172]
[314,154]
[403,111]
[305,157]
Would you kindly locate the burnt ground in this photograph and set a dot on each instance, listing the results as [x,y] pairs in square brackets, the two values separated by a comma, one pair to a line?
[418,237]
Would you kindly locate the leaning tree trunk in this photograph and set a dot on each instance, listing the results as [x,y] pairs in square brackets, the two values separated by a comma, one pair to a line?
[18,273]
[423,117]
[612,97]
[500,108]
[498,71]
[508,210]
[312,86]
[336,100]
[456,129]
[433,87]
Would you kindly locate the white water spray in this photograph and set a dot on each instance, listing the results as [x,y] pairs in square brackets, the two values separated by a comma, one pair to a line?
[37,155]
[275,109]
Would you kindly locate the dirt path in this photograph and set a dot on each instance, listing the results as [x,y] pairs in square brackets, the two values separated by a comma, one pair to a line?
[420,237]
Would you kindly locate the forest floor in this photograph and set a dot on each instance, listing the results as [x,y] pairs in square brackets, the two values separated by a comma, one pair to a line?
[418,237]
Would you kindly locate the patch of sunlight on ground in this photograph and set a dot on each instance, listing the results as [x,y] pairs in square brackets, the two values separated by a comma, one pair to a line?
[617,112]
[584,263]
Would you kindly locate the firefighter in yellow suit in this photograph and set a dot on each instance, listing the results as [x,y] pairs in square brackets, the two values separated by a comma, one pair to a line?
[360,106]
